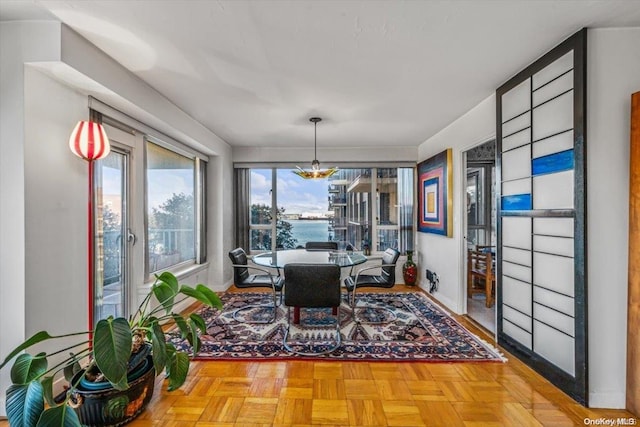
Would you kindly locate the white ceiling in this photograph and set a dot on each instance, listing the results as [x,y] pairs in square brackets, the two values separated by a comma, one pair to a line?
[380,73]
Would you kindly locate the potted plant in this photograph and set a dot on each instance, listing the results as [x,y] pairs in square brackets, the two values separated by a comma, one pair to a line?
[121,358]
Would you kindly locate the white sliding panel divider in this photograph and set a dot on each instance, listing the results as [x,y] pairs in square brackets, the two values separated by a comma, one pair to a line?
[541,175]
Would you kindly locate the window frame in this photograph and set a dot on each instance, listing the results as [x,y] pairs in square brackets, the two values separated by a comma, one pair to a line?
[372,204]
[200,208]
[484,226]
[272,226]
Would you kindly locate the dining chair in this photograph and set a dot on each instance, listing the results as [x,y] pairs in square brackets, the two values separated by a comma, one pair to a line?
[312,286]
[242,279]
[321,246]
[480,275]
[386,279]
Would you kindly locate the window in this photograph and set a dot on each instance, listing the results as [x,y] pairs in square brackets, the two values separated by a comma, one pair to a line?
[356,207]
[150,211]
[110,277]
[480,212]
[174,193]
[260,210]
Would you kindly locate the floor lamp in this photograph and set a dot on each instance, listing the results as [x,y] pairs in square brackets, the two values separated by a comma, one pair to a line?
[89,141]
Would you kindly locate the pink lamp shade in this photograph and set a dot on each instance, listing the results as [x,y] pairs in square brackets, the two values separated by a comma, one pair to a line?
[89,141]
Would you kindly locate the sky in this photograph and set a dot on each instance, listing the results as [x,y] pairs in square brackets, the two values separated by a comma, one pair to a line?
[162,184]
[295,194]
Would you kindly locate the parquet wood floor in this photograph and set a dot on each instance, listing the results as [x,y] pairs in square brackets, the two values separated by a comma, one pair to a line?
[307,393]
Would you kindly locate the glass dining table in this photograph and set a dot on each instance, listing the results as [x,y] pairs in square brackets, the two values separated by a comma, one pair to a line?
[279,259]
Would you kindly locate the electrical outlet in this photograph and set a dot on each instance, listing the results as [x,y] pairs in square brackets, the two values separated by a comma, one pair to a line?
[429,275]
[433,279]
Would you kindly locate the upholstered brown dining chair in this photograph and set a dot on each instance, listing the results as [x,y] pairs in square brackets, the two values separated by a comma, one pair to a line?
[386,279]
[243,279]
[312,286]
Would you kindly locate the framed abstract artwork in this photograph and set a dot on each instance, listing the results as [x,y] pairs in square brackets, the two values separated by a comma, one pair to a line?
[435,199]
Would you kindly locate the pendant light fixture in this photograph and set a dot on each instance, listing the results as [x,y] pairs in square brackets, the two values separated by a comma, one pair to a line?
[315,172]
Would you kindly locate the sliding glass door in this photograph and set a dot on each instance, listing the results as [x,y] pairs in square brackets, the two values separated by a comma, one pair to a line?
[111,281]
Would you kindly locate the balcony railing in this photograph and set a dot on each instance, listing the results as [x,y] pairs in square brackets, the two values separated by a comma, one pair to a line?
[168,247]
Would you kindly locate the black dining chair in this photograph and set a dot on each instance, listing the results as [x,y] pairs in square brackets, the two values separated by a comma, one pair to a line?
[312,286]
[386,279]
[321,246]
[242,279]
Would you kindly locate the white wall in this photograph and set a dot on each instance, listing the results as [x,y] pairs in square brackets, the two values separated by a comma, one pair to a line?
[56,188]
[442,254]
[19,42]
[304,156]
[221,223]
[44,187]
[613,74]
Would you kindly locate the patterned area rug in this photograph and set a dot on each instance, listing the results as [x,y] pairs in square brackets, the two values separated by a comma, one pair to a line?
[421,332]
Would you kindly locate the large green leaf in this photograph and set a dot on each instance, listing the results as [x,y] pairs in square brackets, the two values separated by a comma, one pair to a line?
[179,368]
[59,416]
[28,368]
[165,295]
[171,352]
[123,384]
[193,293]
[182,324]
[197,347]
[194,337]
[170,280]
[47,386]
[112,348]
[71,370]
[25,403]
[158,343]
[35,339]
[199,322]
[212,296]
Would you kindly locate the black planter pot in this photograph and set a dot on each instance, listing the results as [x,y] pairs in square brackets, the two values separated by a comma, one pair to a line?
[111,407]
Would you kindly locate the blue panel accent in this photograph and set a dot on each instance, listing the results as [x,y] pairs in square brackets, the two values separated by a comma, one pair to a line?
[552,163]
[516,202]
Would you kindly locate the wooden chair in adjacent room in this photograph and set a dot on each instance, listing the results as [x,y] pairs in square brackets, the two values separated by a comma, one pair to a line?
[480,274]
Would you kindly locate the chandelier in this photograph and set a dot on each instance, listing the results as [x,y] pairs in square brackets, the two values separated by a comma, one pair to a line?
[315,172]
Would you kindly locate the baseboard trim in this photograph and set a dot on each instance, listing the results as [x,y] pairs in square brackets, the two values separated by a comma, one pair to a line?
[441,298]
[607,400]
[225,286]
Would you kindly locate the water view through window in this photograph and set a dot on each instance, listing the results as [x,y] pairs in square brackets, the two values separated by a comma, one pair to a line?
[310,230]
[358,208]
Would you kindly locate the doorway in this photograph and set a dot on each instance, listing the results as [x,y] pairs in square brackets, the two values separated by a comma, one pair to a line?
[117,265]
[111,285]
[480,233]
